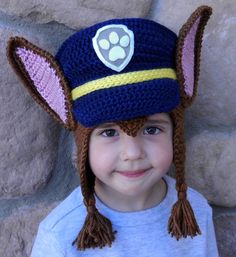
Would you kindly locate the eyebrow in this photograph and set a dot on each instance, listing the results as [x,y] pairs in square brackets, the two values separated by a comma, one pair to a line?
[149,121]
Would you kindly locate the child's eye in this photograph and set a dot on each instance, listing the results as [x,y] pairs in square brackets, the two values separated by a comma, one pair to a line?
[151,131]
[109,133]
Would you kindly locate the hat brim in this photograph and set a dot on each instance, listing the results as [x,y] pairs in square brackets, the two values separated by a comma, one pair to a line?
[127,102]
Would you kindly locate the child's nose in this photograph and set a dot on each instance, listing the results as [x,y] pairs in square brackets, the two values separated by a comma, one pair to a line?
[131,148]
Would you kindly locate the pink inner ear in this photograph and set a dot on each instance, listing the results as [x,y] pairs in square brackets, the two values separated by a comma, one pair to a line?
[188,58]
[45,80]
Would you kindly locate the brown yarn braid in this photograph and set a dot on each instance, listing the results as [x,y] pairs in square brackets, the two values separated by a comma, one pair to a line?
[182,222]
[97,229]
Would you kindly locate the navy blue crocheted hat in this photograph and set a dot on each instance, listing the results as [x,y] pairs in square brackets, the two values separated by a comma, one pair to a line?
[120,69]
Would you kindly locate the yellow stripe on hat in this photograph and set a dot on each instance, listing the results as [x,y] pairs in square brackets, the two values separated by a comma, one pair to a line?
[121,80]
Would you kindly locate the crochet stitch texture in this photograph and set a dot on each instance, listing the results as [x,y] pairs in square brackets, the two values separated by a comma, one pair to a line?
[154,49]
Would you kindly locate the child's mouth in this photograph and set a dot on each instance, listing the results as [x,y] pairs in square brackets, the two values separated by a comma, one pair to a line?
[133,174]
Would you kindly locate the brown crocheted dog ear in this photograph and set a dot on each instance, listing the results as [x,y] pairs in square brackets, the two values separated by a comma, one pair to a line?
[188,53]
[42,77]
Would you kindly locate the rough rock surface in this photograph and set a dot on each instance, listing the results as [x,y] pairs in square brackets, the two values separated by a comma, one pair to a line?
[35,153]
[211,166]
[18,231]
[75,13]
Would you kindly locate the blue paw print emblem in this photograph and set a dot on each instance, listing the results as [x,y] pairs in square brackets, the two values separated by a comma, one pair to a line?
[114,46]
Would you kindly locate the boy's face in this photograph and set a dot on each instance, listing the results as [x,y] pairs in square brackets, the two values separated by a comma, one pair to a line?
[128,165]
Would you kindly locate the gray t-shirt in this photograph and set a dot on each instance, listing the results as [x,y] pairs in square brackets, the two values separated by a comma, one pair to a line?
[139,234]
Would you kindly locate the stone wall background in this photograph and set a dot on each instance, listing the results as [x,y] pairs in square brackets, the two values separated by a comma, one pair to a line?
[36,154]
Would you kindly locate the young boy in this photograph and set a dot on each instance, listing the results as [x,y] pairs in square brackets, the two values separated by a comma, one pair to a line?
[122,86]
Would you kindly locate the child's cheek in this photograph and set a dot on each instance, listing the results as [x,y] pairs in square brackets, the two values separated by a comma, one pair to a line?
[102,158]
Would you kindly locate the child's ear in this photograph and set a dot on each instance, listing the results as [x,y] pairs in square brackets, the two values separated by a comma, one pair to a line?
[188,53]
[43,78]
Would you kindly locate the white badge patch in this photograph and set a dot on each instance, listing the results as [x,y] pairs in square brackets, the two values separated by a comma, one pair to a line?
[114,46]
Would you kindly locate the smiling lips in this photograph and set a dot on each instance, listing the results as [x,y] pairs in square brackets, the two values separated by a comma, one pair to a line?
[132,174]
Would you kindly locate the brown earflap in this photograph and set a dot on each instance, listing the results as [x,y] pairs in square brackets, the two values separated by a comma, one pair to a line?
[97,229]
[43,78]
[182,221]
[188,53]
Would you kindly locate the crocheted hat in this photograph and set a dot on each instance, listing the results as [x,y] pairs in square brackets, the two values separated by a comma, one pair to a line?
[120,70]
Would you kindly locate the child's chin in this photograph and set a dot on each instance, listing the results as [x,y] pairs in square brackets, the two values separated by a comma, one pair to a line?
[133,191]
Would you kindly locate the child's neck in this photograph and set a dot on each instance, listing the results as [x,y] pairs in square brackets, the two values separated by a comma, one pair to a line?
[124,203]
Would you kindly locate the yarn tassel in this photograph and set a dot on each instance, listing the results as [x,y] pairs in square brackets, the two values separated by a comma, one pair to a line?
[182,222]
[96,232]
